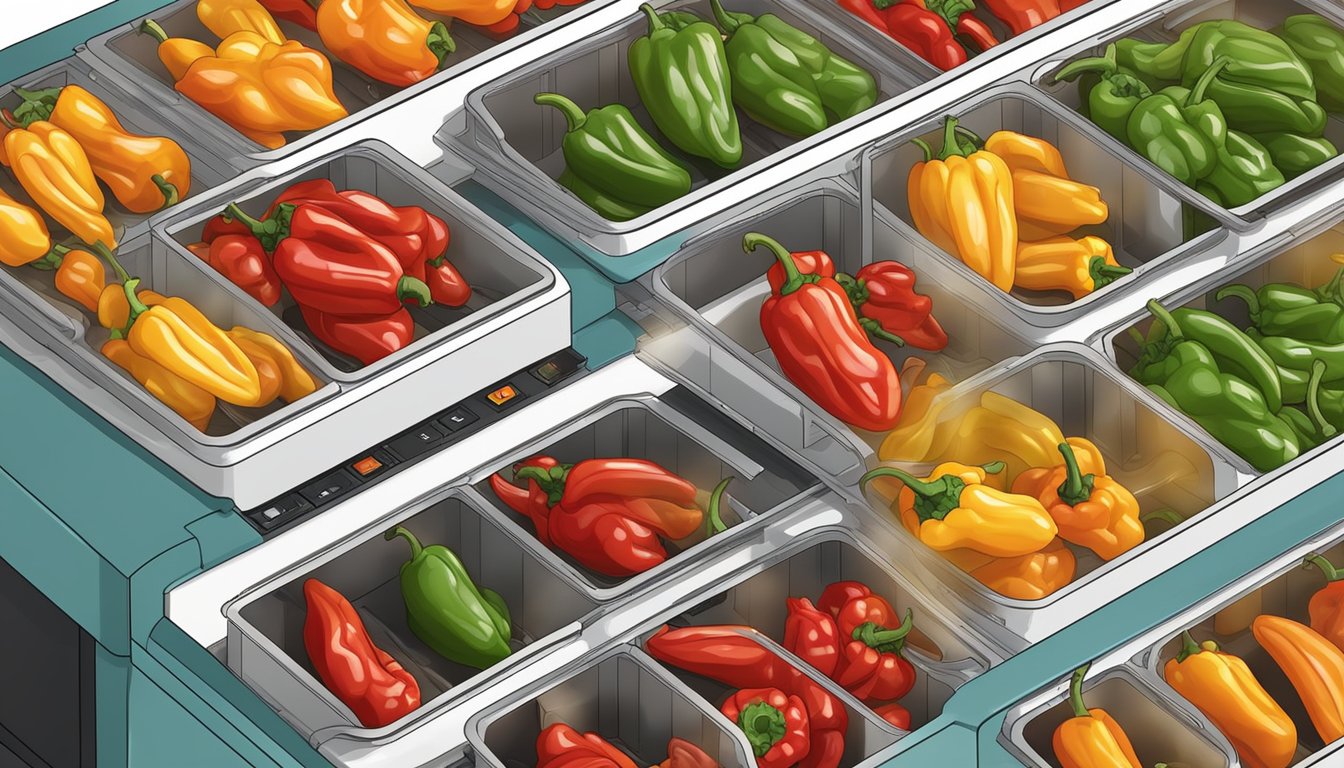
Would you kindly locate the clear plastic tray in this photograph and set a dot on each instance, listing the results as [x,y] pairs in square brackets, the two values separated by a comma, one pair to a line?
[517,143]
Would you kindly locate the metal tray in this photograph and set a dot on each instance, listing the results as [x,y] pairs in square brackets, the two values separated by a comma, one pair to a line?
[517,143]
[131,58]
[265,645]
[1147,224]
[704,449]
[1164,24]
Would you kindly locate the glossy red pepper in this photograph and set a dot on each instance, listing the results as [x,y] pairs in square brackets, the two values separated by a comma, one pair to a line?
[922,31]
[446,285]
[819,345]
[811,635]
[774,723]
[368,680]
[1326,607]
[367,339]
[871,666]
[220,225]
[560,746]
[837,595]
[1023,15]
[330,265]
[241,259]
[607,514]
[864,10]
[300,12]
[895,714]
[957,14]
[683,754]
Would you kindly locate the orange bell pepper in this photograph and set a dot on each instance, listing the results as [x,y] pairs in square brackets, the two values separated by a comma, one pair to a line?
[114,310]
[80,277]
[481,13]
[1090,508]
[384,39]
[1030,577]
[1326,607]
[1091,738]
[186,399]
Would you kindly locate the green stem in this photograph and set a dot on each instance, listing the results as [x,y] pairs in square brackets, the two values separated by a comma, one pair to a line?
[574,114]
[1105,64]
[408,536]
[1188,647]
[875,328]
[1327,568]
[1076,692]
[133,301]
[414,288]
[170,193]
[1076,488]
[1242,292]
[975,138]
[728,23]
[793,279]
[924,145]
[934,498]
[950,146]
[52,259]
[885,640]
[1169,515]
[233,212]
[440,42]
[151,27]
[1163,316]
[655,21]
[716,524]
[552,480]
[1313,399]
[1104,274]
[1202,84]
[763,725]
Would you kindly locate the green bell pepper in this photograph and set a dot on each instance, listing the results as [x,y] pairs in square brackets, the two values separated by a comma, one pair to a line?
[445,609]
[612,153]
[1232,411]
[1234,351]
[1109,93]
[766,53]
[1283,309]
[1244,171]
[1320,44]
[608,207]
[1311,427]
[1179,130]
[682,78]
[1299,355]
[1296,155]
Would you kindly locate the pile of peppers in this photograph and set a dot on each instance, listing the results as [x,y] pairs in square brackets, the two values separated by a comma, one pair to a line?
[561,745]
[609,515]
[1014,500]
[946,33]
[693,76]
[1007,208]
[1229,110]
[349,259]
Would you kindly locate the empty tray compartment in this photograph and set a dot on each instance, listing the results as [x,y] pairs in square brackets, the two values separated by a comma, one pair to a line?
[502,273]
[265,641]
[1147,227]
[684,436]
[936,647]
[625,698]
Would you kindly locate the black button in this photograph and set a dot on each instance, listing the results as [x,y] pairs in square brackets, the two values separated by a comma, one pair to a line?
[556,368]
[458,418]
[416,442]
[280,510]
[326,488]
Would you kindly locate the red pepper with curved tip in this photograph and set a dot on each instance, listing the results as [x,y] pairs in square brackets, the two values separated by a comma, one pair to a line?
[607,514]
[775,725]
[368,680]
[1023,15]
[300,12]
[241,259]
[811,635]
[561,746]
[922,31]
[820,346]
[367,339]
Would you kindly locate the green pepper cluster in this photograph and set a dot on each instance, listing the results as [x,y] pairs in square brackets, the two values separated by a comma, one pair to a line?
[692,77]
[1229,110]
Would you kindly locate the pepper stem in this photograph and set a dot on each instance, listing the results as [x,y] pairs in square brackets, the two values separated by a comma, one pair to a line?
[885,640]
[410,538]
[51,259]
[1105,64]
[924,145]
[1104,274]
[1313,399]
[1167,514]
[269,231]
[170,193]
[1330,291]
[1076,487]
[414,288]
[151,27]
[573,113]
[1327,568]
[1076,692]
[440,42]
[763,725]
[1163,316]
[934,498]
[655,21]
[552,480]
[716,524]
[950,145]
[1188,647]
[793,278]
[729,24]
[1242,292]
[1202,84]
[37,105]
[133,301]
[875,328]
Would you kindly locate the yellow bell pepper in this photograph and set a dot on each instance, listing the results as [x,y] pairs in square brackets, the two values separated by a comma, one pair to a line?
[295,382]
[186,399]
[917,437]
[1313,665]
[957,510]
[224,17]
[1047,202]
[1091,738]
[1063,264]
[56,174]
[24,238]
[963,202]
[1003,429]
[114,311]
[268,370]
[1030,577]
[1090,508]
[1222,687]
[176,53]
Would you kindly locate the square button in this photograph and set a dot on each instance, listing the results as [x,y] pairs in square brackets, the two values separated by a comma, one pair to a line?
[504,396]
[458,418]
[367,466]
[327,488]
[417,441]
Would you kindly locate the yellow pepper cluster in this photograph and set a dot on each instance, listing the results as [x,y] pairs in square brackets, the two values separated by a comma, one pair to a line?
[256,80]
[1023,491]
[1007,208]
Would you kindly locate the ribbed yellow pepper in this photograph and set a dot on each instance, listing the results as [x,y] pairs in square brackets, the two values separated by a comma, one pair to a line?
[1003,429]
[1313,665]
[295,382]
[224,17]
[957,510]
[186,399]
[1091,738]
[24,238]
[917,436]
[1064,264]
[1046,200]
[1222,687]
[55,172]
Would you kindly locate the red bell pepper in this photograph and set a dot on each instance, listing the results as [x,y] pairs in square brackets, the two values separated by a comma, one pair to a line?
[957,14]
[864,10]
[1023,15]
[331,266]
[218,226]
[820,346]
[895,714]
[837,595]
[871,665]
[605,513]
[560,746]
[367,339]
[811,635]
[368,680]
[922,31]
[301,12]
[775,725]
[241,260]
